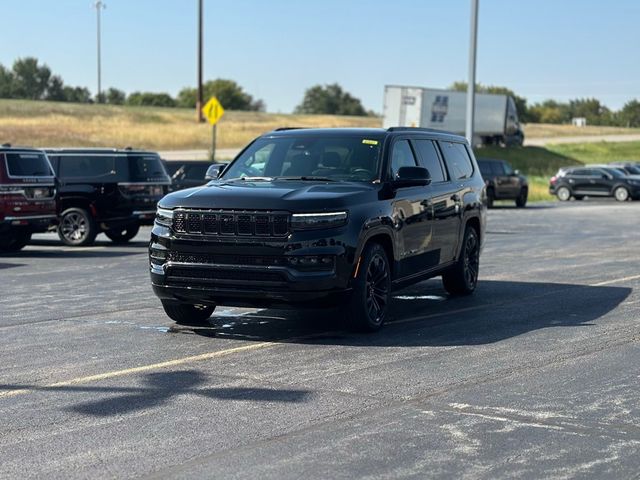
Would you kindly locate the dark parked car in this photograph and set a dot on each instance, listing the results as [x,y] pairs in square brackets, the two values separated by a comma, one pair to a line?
[503,182]
[189,173]
[580,182]
[323,217]
[630,168]
[106,190]
[27,196]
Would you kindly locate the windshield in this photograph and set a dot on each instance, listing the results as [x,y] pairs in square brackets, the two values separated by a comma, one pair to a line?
[305,157]
[147,168]
[28,165]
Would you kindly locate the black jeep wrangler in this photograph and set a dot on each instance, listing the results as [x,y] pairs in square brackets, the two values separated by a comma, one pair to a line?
[323,217]
[106,190]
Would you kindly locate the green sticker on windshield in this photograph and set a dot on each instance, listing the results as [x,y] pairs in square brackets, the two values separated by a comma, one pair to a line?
[370,142]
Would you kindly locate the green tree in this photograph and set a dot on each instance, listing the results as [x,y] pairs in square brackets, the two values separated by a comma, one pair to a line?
[551,111]
[229,94]
[77,94]
[30,79]
[55,89]
[591,109]
[151,99]
[330,99]
[115,96]
[630,114]
[6,82]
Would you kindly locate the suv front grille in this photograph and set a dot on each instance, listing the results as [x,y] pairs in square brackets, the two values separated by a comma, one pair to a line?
[231,222]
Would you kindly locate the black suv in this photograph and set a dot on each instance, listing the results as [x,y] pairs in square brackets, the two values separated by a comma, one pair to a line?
[323,217]
[580,182]
[187,173]
[106,190]
[503,182]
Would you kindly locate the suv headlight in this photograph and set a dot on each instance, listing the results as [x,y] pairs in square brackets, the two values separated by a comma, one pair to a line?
[310,221]
[164,217]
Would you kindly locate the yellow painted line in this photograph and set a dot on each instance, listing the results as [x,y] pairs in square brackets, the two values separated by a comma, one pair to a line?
[143,368]
[616,280]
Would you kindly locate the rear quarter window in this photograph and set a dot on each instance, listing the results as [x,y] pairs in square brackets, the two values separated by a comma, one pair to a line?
[457,159]
[87,166]
[28,165]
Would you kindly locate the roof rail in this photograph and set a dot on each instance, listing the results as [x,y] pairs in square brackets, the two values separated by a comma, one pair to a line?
[6,145]
[417,129]
[282,129]
[128,148]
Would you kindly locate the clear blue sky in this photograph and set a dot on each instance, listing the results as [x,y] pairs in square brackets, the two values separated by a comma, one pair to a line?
[275,49]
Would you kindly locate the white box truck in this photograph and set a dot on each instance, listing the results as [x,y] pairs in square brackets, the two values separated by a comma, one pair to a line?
[496,117]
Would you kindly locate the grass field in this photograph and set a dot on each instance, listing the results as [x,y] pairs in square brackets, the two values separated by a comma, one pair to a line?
[599,152]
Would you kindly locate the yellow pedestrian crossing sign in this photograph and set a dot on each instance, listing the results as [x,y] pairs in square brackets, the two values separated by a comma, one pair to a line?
[213,110]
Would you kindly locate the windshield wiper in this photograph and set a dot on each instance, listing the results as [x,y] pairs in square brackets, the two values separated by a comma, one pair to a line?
[250,179]
[308,178]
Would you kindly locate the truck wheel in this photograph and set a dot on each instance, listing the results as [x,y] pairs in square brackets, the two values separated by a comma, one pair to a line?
[77,228]
[371,295]
[462,278]
[621,194]
[521,201]
[563,194]
[123,235]
[14,242]
[187,314]
[491,196]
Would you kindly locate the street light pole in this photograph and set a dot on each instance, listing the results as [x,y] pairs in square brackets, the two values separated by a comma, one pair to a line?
[199,103]
[471,86]
[99,5]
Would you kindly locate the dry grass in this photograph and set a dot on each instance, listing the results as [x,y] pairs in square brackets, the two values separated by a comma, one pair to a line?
[545,130]
[55,124]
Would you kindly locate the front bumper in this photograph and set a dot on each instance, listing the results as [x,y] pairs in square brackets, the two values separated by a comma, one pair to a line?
[250,272]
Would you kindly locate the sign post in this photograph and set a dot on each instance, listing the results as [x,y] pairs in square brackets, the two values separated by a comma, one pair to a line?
[213,111]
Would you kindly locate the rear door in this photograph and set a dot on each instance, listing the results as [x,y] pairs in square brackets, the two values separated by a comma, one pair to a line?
[508,181]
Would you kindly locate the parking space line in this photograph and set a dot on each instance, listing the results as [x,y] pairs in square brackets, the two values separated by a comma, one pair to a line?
[615,280]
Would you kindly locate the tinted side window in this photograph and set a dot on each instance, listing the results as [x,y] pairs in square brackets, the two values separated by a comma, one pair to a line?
[197,172]
[485,168]
[401,156]
[74,166]
[430,160]
[457,160]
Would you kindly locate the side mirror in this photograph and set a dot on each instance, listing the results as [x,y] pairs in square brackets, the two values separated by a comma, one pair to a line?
[412,177]
[213,172]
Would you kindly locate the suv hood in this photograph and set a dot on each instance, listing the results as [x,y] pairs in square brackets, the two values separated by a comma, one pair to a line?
[288,195]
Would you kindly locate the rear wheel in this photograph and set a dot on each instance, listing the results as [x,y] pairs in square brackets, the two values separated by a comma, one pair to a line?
[621,194]
[563,194]
[77,227]
[187,314]
[462,278]
[521,201]
[369,303]
[14,241]
[123,235]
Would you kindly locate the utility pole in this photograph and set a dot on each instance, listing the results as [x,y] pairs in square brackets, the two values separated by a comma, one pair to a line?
[471,86]
[99,5]
[199,100]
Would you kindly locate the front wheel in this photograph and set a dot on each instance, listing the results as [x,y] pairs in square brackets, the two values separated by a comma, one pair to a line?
[367,309]
[521,201]
[462,278]
[77,228]
[123,235]
[621,194]
[187,314]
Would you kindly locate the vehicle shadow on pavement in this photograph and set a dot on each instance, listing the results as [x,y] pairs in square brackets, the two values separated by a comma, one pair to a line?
[11,265]
[29,253]
[160,387]
[424,315]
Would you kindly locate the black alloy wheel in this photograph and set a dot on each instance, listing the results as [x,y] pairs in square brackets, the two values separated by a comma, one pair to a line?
[123,235]
[77,228]
[462,278]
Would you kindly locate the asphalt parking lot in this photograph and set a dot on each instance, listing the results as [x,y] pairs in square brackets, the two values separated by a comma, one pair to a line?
[536,375]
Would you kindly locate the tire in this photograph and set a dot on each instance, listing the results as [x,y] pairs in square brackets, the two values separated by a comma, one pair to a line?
[563,194]
[462,278]
[14,242]
[186,314]
[77,228]
[521,201]
[491,196]
[371,296]
[621,194]
[123,235]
